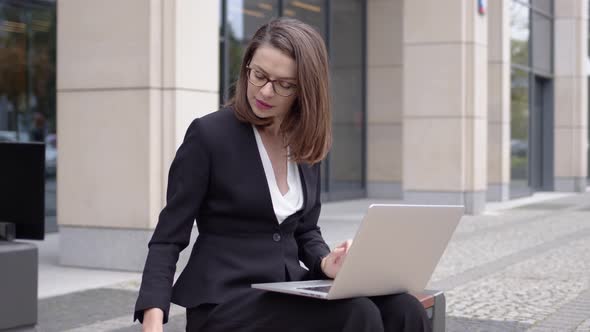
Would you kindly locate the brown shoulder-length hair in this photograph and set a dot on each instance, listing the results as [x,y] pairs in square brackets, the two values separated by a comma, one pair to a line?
[307,127]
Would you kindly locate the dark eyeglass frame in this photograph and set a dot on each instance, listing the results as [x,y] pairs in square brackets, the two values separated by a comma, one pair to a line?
[272,82]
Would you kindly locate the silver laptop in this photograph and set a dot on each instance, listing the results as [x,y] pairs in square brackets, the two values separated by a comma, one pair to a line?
[395,250]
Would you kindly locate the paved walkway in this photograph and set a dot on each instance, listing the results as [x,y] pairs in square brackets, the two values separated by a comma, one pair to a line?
[521,266]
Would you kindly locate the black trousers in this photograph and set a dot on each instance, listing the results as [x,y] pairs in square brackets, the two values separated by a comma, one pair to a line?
[256,310]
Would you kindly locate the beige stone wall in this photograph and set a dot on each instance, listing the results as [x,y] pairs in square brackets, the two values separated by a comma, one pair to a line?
[571,94]
[384,97]
[445,103]
[498,100]
[131,76]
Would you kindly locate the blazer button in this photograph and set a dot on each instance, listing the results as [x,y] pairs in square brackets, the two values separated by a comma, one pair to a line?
[276,237]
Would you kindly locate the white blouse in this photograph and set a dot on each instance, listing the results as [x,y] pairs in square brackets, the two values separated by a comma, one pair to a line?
[292,201]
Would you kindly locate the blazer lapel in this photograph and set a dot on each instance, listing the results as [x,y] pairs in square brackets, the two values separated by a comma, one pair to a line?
[307,186]
[253,162]
[308,181]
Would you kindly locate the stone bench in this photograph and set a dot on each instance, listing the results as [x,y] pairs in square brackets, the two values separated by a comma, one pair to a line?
[18,284]
[435,305]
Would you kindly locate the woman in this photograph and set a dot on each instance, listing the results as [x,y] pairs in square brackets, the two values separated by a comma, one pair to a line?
[250,176]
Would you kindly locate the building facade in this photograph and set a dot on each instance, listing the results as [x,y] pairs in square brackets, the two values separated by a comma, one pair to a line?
[437,102]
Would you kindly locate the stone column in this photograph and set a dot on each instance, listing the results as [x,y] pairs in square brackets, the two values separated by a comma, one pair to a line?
[445,103]
[131,76]
[571,95]
[384,98]
[498,100]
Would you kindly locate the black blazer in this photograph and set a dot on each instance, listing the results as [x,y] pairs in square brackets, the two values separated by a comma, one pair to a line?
[218,179]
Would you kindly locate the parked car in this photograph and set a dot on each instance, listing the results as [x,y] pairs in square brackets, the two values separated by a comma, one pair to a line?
[518,148]
[4,138]
[51,155]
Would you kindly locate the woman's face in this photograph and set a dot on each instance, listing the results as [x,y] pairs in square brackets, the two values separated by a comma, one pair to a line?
[270,63]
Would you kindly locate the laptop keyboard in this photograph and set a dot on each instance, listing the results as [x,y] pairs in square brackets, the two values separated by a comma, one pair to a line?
[323,289]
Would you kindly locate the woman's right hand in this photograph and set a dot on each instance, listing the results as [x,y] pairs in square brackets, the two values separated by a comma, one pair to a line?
[332,263]
[153,320]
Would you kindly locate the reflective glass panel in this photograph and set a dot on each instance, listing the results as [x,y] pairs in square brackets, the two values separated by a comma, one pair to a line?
[519,132]
[27,84]
[542,43]
[244,17]
[520,33]
[546,6]
[343,171]
[346,159]
[312,12]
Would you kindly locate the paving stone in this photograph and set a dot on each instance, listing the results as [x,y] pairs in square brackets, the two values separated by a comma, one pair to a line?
[487,247]
[530,291]
[76,310]
[463,324]
[584,327]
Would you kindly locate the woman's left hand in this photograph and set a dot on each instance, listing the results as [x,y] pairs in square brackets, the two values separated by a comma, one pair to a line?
[332,263]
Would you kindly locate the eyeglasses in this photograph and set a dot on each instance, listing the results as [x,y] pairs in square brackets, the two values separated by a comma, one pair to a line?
[281,88]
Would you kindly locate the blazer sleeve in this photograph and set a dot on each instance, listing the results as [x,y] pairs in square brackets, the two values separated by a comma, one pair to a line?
[187,185]
[312,247]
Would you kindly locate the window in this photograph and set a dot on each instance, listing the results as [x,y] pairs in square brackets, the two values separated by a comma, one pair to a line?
[27,82]
[342,24]
[531,46]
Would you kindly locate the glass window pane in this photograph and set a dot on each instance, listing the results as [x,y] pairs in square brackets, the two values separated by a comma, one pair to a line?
[312,12]
[346,159]
[546,6]
[27,72]
[42,74]
[519,132]
[519,34]
[13,71]
[27,84]
[542,43]
[244,17]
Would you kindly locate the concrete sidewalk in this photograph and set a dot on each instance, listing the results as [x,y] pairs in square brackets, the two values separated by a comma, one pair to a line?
[522,265]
